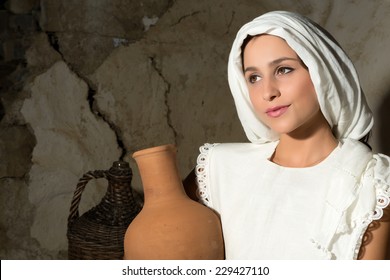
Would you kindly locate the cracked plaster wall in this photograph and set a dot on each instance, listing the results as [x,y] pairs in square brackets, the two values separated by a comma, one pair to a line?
[85,83]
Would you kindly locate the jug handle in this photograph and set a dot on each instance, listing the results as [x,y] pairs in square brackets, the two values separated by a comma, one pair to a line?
[74,207]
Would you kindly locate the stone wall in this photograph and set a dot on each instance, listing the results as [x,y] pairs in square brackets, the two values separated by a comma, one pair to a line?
[85,83]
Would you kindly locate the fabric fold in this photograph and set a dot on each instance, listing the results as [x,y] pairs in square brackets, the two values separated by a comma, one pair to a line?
[378,175]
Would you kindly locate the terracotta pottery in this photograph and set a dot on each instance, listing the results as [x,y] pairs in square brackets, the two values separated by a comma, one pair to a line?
[170,225]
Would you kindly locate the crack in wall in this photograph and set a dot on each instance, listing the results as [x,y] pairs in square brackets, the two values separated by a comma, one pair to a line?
[23,177]
[166,96]
[53,40]
[116,129]
[184,17]
[230,22]
[2,110]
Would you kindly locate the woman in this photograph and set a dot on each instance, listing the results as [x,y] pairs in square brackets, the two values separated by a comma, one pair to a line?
[305,187]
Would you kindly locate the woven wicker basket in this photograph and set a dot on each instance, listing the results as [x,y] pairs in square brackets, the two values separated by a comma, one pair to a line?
[99,232]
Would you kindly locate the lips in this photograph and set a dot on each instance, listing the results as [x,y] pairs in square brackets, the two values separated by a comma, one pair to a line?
[276,111]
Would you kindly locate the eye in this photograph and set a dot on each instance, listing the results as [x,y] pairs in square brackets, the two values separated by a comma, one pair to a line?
[254,78]
[284,70]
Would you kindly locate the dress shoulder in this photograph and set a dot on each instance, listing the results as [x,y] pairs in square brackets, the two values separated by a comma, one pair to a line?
[217,159]
[377,173]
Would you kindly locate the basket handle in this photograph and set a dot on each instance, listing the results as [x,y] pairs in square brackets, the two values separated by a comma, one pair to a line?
[74,207]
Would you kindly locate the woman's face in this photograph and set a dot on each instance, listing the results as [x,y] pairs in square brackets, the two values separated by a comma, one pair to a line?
[279,84]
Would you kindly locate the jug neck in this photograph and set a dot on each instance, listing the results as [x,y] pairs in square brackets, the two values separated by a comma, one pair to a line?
[119,184]
[159,173]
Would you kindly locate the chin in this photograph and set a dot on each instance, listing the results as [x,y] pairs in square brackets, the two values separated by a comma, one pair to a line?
[282,129]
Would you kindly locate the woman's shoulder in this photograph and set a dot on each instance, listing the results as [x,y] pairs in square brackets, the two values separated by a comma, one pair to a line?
[376,180]
[376,165]
[370,170]
[377,174]
[352,158]
[379,168]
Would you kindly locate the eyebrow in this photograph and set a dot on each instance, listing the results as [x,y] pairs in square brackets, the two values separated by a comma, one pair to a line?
[274,62]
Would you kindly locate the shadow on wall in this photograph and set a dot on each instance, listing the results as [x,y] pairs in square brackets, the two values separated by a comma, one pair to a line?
[384,125]
[2,111]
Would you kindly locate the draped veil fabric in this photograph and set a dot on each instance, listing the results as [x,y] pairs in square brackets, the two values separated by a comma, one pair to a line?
[336,82]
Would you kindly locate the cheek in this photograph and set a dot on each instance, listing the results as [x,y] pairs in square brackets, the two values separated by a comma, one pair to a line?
[312,99]
[257,102]
[255,93]
[259,106]
[253,99]
[309,96]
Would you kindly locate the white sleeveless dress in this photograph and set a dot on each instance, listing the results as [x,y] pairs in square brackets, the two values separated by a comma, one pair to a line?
[273,212]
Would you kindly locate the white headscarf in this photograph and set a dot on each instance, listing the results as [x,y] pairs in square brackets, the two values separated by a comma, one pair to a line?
[340,97]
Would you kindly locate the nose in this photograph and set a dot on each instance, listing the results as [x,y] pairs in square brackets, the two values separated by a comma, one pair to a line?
[270,89]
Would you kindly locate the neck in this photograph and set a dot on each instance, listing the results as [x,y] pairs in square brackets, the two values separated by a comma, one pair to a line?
[305,147]
[159,173]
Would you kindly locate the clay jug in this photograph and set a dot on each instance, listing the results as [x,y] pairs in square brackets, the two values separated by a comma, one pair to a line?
[171,225]
[99,232]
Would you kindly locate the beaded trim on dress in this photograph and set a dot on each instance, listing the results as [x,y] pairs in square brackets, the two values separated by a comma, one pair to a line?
[380,175]
[383,200]
[201,176]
